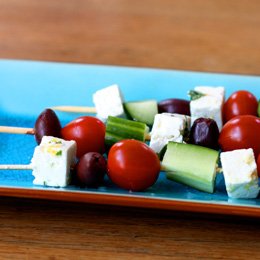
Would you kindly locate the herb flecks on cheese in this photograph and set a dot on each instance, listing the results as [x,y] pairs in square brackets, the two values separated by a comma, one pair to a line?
[53,147]
[195,94]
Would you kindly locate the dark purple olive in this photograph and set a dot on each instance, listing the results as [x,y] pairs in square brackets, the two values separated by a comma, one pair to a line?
[174,105]
[91,169]
[204,132]
[48,124]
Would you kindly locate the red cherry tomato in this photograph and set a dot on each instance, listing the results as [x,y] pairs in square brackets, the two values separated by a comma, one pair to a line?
[241,132]
[241,102]
[133,165]
[88,132]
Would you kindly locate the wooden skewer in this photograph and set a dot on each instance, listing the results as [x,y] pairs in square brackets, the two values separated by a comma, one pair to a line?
[147,137]
[16,167]
[16,130]
[30,131]
[76,109]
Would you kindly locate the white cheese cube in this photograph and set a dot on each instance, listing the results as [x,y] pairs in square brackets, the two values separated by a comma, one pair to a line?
[108,102]
[209,105]
[168,127]
[52,160]
[240,173]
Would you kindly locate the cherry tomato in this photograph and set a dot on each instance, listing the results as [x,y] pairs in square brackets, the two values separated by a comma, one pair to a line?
[88,132]
[133,165]
[241,132]
[241,102]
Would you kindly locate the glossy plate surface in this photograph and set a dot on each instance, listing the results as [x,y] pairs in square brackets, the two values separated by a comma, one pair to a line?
[27,88]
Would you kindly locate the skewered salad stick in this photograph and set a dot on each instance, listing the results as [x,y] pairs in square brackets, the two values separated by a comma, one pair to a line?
[51,162]
[53,158]
[189,164]
[84,130]
[47,123]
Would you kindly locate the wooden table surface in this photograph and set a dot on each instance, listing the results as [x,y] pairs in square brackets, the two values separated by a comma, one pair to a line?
[219,36]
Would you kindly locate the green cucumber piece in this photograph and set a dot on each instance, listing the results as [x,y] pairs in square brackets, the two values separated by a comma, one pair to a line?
[191,165]
[258,109]
[142,111]
[118,129]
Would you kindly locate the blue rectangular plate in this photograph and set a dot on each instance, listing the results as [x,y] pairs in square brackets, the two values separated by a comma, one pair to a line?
[28,87]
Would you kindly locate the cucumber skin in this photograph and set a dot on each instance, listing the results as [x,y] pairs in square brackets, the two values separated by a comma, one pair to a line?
[198,185]
[118,129]
[191,165]
[135,111]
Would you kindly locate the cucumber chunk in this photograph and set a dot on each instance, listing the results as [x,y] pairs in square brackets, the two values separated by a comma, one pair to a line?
[142,111]
[119,128]
[191,165]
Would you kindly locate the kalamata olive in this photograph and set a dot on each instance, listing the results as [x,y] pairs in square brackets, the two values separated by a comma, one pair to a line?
[174,105]
[48,124]
[91,169]
[204,132]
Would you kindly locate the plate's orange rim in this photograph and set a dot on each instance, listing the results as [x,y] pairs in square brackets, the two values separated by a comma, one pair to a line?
[131,201]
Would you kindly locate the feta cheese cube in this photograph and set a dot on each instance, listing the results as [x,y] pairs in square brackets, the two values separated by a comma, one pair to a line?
[52,160]
[168,127]
[240,173]
[108,102]
[209,105]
